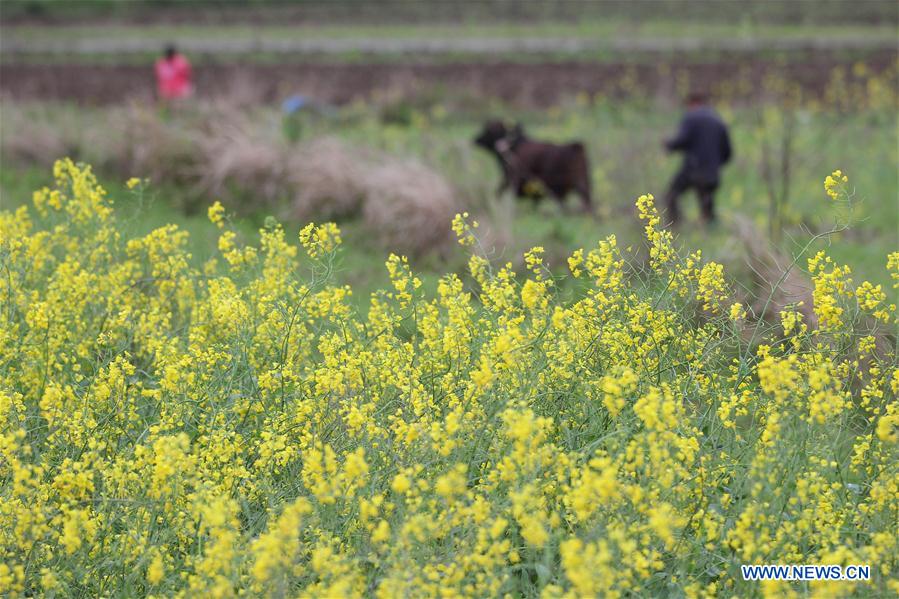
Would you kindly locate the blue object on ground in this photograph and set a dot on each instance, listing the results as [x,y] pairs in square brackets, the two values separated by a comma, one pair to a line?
[294,103]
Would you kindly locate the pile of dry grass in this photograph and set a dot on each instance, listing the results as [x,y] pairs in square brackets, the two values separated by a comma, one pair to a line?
[778,282]
[39,134]
[406,205]
[329,180]
[237,166]
[146,145]
[409,206]
[217,152]
[41,141]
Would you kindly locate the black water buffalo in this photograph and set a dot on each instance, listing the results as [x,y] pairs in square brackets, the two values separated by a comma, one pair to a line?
[535,169]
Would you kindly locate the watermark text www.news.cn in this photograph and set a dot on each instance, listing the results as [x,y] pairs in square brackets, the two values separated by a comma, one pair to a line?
[805,572]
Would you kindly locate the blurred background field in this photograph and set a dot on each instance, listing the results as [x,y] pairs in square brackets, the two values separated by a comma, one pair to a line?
[401,88]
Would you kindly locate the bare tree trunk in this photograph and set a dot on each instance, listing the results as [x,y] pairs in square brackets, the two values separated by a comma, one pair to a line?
[777,184]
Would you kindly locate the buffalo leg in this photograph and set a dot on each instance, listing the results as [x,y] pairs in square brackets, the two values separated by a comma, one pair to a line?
[583,191]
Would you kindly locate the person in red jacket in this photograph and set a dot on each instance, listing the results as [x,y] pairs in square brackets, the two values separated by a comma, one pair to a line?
[173,75]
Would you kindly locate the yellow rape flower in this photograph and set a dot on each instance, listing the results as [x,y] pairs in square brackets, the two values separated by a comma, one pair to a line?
[834,184]
[216,213]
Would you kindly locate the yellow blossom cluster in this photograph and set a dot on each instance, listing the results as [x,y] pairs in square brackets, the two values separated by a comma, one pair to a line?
[463,229]
[319,240]
[239,428]
[835,184]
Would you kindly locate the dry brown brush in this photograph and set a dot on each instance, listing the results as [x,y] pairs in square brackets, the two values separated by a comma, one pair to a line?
[217,152]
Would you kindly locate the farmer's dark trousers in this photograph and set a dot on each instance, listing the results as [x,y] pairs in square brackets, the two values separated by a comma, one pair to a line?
[705,191]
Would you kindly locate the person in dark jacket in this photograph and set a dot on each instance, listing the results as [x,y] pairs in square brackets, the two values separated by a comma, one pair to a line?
[705,143]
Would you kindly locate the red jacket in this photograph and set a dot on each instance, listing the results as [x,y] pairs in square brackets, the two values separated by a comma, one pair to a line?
[173,78]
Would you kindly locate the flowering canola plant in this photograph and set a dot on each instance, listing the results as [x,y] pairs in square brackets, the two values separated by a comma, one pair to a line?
[239,428]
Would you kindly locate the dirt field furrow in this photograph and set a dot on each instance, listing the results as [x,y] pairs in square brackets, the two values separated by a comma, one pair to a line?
[525,84]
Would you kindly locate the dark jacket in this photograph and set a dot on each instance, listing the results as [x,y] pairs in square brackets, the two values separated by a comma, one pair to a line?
[704,140]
